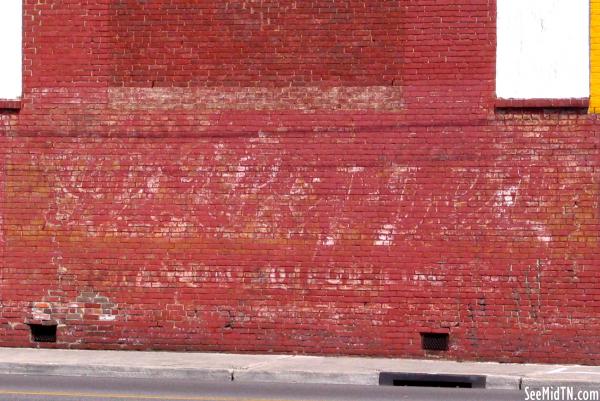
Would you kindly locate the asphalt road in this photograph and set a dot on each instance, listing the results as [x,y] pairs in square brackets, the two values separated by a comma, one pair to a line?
[54,388]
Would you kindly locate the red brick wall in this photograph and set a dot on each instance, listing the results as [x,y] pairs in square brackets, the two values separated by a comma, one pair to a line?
[165,195]
[269,43]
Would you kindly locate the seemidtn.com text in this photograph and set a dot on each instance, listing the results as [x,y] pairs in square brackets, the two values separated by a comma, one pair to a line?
[560,393]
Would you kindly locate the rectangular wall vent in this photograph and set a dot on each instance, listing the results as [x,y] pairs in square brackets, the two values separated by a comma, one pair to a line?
[41,333]
[435,341]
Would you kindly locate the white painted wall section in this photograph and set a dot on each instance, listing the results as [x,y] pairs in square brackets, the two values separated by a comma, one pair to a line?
[542,49]
[11,20]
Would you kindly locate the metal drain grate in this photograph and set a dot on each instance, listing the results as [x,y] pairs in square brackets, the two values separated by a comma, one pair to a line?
[41,333]
[435,341]
[431,380]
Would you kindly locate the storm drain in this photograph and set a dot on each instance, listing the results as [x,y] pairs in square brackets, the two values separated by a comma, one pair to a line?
[41,333]
[431,380]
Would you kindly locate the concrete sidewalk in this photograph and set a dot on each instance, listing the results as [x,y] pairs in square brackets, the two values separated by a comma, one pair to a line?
[280,368]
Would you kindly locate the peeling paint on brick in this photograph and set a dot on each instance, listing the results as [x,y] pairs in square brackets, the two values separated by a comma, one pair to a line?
[379,98]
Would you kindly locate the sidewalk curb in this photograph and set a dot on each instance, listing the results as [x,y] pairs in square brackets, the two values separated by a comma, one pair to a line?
[244,375]
[115,371]
[365,379]
[501,382]
[534,383]
[251,373]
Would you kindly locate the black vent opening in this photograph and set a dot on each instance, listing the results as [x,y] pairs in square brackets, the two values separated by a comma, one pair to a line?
[435,341]
[42,333]
[431,380]
[432,383]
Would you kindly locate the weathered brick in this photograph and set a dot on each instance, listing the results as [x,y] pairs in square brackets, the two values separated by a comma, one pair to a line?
[324,177]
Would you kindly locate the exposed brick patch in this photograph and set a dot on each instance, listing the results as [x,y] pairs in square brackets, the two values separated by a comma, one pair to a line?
[378,98]
[86,306]
[9,104]
[542,103]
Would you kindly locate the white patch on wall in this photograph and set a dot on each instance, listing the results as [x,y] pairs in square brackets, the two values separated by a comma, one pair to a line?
[385,235]
[541,232]
[542,49]
[153,184]
[506,197]
[10,49]
[328,241]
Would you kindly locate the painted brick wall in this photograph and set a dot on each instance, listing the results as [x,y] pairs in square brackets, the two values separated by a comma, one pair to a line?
[277,43]
[594,56]
[159,193]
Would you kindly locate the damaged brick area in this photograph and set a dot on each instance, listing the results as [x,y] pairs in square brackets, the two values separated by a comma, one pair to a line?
[87,311]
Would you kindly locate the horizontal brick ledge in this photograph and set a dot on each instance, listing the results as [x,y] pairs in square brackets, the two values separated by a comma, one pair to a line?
[575,103]
[6,104]
[43,322]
